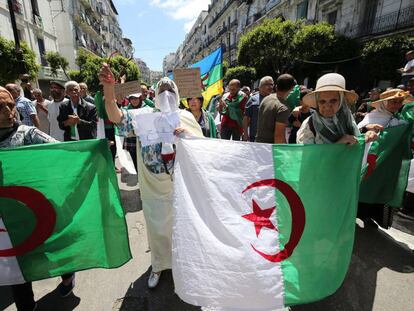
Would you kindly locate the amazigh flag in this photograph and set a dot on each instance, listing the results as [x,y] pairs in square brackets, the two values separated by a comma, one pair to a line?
[385,175]
[271,226]
[60,211]
[211,69]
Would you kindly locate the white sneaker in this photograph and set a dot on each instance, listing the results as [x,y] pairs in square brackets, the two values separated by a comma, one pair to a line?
[153,279]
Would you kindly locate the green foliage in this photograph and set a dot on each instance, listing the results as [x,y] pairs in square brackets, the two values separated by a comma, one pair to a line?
[384,56]
[244,74]
[10,65]
[74,75]
[268,46]
[225,65]
[56,62]
[275,47]
[90,65]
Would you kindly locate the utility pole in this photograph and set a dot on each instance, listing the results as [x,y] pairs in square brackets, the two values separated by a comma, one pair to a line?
[19,52]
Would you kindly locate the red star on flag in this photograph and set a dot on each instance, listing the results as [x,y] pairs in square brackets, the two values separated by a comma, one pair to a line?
[260,217]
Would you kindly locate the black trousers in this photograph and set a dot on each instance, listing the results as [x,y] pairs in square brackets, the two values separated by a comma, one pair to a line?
[110,135]
[23,294]
[133,152]
[230,132]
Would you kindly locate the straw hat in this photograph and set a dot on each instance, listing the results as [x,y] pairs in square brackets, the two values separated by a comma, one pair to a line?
[392,94]
[327,83]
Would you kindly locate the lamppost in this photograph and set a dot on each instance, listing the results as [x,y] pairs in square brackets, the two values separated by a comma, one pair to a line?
[21,66]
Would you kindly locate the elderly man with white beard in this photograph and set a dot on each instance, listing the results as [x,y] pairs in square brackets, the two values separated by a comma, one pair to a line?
[155,166]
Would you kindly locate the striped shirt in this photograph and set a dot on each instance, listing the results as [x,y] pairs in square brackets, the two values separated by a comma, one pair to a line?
[26,110]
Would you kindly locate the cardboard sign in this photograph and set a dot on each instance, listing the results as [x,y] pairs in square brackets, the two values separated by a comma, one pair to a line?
[122,90]
[188,82]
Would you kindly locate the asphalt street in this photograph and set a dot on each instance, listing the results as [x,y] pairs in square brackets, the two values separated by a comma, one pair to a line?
[381,275]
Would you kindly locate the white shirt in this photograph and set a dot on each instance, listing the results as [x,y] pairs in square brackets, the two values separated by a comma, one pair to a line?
[408,66]
[43,118]
[53,109]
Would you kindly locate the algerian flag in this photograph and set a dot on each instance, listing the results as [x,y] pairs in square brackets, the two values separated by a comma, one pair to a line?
[388,163]
[260,226]
[60,211]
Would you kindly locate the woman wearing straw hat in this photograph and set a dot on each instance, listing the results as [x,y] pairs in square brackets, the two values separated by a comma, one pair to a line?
[332,123]
[386,114]
[386,110]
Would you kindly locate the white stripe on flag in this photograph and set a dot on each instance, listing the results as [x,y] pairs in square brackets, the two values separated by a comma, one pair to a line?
[214,264]
[9,267]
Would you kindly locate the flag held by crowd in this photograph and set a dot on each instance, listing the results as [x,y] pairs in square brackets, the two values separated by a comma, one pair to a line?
[211,69]
[388,163]
[272,226]
[60,212]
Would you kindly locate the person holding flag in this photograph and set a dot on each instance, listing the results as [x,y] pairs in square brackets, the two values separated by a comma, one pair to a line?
[385,115]
[15,134]
[231,107]
[332,123]
[155,166]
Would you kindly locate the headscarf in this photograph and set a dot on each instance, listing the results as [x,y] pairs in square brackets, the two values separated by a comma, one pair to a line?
[6,132]
[333,128]
[167,101]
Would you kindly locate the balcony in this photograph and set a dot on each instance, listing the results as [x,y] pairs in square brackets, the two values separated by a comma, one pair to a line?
[92,29]
[222,31]
[233,23]
[397,20]
[224,9]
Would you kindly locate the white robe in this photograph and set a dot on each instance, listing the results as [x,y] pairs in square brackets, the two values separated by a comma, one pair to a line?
[53,113]
[157,199]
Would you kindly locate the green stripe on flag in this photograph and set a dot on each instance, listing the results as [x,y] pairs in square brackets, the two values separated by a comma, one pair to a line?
[385,177]
[79,181]
[323,248]
[215,74]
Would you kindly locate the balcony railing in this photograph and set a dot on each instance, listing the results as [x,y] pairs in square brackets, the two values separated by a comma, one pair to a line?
[224,9]
[390,22]
[222,31]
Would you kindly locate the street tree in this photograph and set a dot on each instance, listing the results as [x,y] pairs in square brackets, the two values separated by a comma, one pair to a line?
[242,73]
[268,47]
[56,62]
[10,66]
[90,65]
[276,46]
[384,56]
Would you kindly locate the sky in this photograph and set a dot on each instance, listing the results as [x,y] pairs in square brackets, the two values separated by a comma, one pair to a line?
[157,27]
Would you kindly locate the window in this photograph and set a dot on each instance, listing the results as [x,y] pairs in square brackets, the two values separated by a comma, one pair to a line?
[42,51]
[302,10]
[271,4]
[331,18]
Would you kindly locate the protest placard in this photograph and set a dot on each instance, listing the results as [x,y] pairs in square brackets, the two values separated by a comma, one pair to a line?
[188,82]
[122,90]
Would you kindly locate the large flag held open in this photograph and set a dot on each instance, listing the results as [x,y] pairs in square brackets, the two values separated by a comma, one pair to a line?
[388,163]
[60,211]
[211,69]
[260,226]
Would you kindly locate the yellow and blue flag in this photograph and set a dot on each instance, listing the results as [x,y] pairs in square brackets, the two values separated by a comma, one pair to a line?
[211,69]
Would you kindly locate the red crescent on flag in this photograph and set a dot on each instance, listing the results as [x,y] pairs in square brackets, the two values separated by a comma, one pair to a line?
[298,217]
[45,218]
[372,164]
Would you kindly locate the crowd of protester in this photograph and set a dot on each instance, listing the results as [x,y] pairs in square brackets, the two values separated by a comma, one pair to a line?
[320,116]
